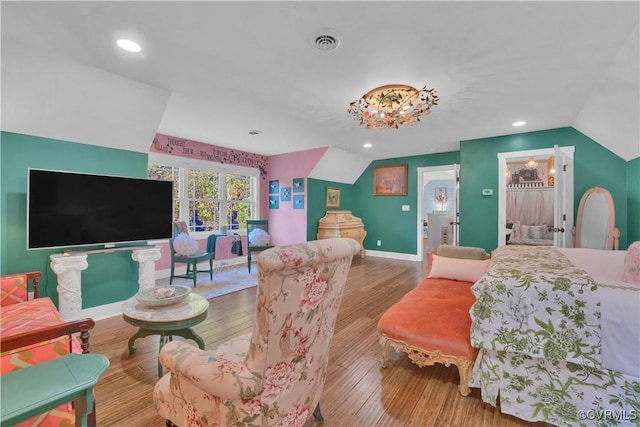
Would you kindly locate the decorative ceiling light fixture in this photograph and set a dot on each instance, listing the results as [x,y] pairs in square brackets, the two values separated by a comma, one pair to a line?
[393,105]
[531,164]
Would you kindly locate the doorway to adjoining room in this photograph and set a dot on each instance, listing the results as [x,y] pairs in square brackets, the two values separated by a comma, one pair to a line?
[437,208]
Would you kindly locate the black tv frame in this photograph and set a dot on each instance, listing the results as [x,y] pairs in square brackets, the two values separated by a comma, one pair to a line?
[78,209]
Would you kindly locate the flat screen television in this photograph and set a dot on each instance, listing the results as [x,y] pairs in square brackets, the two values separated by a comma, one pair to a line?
[67,209]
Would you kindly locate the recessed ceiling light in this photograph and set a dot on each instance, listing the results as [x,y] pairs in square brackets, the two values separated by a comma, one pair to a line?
[520,123]
[367,145]
[129,45]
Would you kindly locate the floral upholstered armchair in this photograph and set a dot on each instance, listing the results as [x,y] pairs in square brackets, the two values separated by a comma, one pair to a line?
[274,375]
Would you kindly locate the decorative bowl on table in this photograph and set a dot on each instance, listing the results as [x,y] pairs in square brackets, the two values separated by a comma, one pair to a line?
[166,295]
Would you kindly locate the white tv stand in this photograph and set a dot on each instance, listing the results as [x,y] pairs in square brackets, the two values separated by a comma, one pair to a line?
[69,265]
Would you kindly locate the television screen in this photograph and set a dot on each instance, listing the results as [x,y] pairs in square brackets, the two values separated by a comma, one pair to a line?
[75,209]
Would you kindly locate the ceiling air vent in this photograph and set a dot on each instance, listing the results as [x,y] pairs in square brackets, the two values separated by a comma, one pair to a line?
[326,42]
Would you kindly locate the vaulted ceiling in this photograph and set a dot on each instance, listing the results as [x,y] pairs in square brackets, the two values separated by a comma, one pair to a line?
[212,71]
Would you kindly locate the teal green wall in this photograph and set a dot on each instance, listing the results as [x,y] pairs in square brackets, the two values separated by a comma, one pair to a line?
[382,216]
[109,277]
[633,200]
[594,166]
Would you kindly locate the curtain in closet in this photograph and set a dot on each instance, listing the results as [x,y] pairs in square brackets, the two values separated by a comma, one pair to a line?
[530,206]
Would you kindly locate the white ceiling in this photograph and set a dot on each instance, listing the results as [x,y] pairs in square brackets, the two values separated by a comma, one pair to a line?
[211,71]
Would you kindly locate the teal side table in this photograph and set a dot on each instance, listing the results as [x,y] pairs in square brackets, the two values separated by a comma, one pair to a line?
[39,388]
[166,321]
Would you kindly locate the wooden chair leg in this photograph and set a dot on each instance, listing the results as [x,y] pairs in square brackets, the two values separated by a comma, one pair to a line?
[195,273]
[91,418]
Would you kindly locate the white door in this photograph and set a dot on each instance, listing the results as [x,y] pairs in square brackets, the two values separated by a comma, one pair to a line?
[456,218]
[563,195]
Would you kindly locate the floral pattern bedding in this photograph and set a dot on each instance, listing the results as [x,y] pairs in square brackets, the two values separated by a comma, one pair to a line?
[556,392]
[533,300]
[537,322]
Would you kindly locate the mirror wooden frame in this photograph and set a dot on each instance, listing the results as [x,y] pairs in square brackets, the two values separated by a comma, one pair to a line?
[613,234]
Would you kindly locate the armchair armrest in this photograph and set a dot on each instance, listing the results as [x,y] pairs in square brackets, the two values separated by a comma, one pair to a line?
[211,372]
[82,326]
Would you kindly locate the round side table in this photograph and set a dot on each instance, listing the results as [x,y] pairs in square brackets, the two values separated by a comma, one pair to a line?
[175,319]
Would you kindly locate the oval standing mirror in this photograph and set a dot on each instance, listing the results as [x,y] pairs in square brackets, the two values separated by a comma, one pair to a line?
[595,227]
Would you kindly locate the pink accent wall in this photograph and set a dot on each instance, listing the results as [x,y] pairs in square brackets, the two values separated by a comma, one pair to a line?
[288,225]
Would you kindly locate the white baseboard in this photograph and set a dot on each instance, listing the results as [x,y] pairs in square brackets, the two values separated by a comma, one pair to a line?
[393,255]
[102,311]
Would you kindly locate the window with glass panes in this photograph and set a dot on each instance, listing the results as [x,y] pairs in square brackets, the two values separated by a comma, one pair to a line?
[207,199]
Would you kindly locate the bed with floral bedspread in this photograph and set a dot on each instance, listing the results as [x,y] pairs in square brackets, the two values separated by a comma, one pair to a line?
[558,336]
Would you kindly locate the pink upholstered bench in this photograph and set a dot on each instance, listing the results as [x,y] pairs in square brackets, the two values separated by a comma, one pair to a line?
[431,323]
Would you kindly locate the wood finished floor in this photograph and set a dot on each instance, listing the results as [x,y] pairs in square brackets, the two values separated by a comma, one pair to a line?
[357,391]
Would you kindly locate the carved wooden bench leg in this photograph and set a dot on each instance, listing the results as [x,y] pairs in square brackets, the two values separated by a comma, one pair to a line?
[424,358]
[384,350]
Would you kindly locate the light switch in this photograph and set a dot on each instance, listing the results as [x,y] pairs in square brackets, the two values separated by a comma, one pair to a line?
[406,208]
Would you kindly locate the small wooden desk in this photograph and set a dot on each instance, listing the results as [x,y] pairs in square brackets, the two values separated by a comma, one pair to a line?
[175,319]
[38,388]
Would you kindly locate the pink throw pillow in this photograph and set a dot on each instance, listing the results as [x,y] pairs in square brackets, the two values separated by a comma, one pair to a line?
[468,270]
[632,264]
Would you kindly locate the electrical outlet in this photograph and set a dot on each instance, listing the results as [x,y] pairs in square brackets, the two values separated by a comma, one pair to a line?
[379,243]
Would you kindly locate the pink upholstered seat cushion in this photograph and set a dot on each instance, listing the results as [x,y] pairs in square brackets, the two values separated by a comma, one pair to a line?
[13,289]
[433,316]
[28,316]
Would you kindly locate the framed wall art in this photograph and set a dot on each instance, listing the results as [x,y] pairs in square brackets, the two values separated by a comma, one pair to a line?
[274,202]
[274,187]
[390,180]
[298,185]
[285,194]
[332,197]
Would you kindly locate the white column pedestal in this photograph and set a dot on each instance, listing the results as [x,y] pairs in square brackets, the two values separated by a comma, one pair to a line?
[68,268]
[147,258]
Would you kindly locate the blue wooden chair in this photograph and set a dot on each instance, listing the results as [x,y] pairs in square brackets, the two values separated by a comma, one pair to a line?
[255,224]
[192,261]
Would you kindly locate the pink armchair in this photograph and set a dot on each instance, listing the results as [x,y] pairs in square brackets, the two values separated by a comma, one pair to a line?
[274,375]
[33,332]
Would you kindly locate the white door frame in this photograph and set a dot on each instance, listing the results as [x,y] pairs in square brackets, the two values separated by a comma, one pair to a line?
[420,172]
[502,187]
